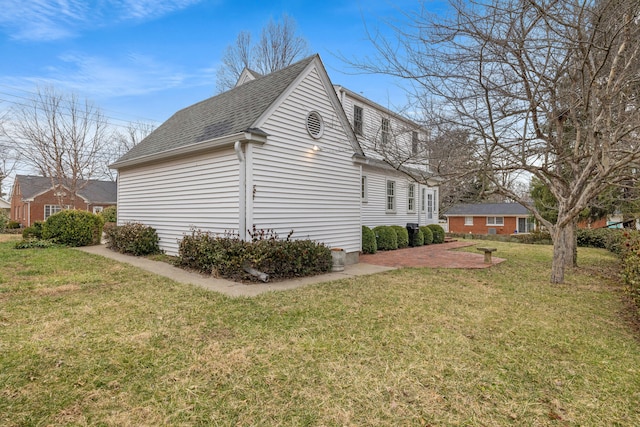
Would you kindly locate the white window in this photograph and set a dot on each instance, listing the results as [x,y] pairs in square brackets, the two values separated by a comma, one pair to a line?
[363,189]
[411,198]
[468,220]
[495,220]
[422,199]
[385,130]
[51,210]
[357,119]
[97,209]
[429,206]
[391,196]
[525,225]
[414,143]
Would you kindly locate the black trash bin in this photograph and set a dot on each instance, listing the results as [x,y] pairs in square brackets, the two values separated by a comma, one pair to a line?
[412,229]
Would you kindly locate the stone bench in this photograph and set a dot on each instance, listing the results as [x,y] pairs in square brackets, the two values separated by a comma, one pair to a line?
[487,254]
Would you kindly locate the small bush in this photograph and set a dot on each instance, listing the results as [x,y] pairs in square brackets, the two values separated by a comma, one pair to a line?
[418,238]
[438,233]
[133,238]
[109,214]
[33,232]
[402,235]
[4,220]
[386,238]
[427,235]
[536,237]
[34,244]
[630,255]
[369,245]
[12,225]
[227,255]
[73,228]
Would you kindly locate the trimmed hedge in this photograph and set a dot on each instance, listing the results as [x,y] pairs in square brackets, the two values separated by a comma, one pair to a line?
[630,255]
[386,238]
[427,234]
[109,214]
[438,233]
[4,220]
[227,256]
[402,234]
[418,238]
[369,245]
[33,232]
[606,238]
[73,228]
[133,238]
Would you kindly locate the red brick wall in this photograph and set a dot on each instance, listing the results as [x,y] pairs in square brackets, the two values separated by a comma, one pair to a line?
[456,225]
[36,208]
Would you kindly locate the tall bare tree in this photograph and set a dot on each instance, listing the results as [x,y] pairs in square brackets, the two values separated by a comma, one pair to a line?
[279,46]
[61,137]
[548,88]
[124,140]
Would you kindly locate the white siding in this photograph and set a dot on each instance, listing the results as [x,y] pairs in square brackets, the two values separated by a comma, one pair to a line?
[199,191]
[374,210]
[315,194]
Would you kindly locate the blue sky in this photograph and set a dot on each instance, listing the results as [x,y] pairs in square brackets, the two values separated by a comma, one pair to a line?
[146,59]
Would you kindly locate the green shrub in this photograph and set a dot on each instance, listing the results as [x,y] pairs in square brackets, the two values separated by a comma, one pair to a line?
[4,220]
[369,245]
[133,238]
[438,233]
[12,225]
[605,238]
[427,234]
[33,232]
[386,238]
[73,228]
[109,214]
[227,255]
[418,238]
[34,244]
[536,237]
[630,255]
[402,235]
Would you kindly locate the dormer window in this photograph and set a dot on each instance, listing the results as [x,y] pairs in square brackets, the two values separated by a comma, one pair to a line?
[357,119]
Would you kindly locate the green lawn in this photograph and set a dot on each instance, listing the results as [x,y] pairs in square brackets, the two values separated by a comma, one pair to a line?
[85,341]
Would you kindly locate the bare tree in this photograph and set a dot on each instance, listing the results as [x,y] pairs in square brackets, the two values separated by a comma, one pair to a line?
[548,88]
[278,47]
[61,137]
[125,140]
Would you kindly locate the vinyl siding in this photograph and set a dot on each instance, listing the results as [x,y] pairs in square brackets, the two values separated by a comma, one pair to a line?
[315,194]
[199,191]
[374,210]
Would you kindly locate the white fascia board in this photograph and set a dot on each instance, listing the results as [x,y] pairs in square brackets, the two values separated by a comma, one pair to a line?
[198,147]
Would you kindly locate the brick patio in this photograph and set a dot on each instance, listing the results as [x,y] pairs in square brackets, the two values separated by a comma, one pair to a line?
[435,256]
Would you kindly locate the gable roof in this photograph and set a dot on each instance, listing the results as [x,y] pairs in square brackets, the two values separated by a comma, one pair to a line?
[484,209]
[228,114]
[92,191]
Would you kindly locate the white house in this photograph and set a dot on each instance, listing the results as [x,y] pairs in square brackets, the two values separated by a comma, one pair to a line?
[277,152]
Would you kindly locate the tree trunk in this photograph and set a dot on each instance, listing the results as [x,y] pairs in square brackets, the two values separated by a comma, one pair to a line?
[564,246]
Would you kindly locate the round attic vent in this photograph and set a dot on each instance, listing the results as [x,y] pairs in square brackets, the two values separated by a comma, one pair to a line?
[315,126]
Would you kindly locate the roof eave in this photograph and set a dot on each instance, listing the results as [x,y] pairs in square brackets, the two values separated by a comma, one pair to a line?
[252,135]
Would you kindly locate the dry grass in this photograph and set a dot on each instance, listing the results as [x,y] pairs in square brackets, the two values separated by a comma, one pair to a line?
[84,341]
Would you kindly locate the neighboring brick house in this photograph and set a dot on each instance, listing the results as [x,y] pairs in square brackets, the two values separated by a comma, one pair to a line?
[489,218]
[34,198]
[4,205]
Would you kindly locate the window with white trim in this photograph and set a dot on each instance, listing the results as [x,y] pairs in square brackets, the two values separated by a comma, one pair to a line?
[358,115]
[429,206]
[468,220]
[414,143]
[423,199]
[495,220]
[97,209]
[363,189]
[51,210]
[391,196]
[385,130]
[411,198]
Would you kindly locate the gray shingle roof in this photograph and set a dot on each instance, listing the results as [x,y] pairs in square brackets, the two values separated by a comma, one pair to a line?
[229,113]
[483,209]
[92,191]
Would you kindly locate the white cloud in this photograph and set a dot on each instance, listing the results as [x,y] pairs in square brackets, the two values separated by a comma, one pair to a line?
[46,20]
[100,77]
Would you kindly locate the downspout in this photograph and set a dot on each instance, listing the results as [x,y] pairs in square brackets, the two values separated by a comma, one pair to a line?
[242,191]
[28,214]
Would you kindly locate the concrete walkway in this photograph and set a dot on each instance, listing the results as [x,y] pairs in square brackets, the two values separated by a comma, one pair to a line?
[228,287]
